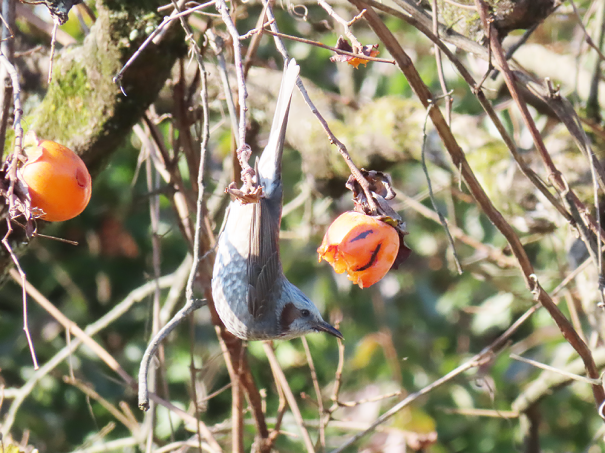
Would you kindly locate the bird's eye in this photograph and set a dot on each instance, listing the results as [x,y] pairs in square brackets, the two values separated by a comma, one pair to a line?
[304,313]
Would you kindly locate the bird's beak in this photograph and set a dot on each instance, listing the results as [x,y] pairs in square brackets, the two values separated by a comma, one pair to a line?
[327,328]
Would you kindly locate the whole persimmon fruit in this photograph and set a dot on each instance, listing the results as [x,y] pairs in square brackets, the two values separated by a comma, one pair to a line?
[59,182]
[362,246]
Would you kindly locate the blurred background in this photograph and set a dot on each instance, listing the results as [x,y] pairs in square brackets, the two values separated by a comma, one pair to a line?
[415,326]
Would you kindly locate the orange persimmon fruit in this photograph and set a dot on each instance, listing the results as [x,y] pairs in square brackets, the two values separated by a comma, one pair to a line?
[58,181]
[363,246]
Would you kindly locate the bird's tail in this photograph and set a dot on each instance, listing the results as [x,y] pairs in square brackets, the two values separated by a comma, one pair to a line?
[269,165]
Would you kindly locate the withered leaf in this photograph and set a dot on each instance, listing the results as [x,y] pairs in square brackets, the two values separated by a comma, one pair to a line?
[369,50]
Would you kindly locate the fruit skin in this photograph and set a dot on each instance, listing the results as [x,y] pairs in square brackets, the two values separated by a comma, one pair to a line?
[58,180]
[363,246]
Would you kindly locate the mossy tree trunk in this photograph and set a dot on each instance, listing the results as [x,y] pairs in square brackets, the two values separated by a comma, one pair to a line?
[83,108]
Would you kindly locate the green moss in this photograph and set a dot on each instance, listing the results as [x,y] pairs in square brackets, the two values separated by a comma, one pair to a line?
[66,108]
[83,108]
[466,22]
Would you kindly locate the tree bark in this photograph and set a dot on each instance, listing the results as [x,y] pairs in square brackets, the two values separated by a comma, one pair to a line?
[83,108]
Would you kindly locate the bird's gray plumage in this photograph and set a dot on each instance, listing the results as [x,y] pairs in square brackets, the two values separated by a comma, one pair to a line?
[252,296]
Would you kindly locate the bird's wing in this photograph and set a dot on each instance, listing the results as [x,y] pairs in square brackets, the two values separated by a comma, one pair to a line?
[264,267]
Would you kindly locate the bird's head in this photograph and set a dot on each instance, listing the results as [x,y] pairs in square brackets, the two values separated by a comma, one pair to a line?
[298,316]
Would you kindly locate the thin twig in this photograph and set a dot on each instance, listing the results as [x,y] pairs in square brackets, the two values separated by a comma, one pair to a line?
[424,27]
[281,411]
[432,196]
[320,403]
[544,385]
[255,42]
[345,25]
[592,102]
[216,42]
[120,309]
[448,98]
[565,326]
[369,400]
[53,41]
[159,156]
[339,369]
[191,304]
[325,46]
[575,377]
[176,9]
[517,45]
[257,31]
[83,25]
[490,252]
[281,378]
[216,392]
[476,361]
[301,87]
[337,384]
[567,329]
[157,31]
[341,149]
[475,412]
[23,280]
[477,191]
[150,381]
[91,393]
[229,353]
[18,113]
[96,437]
[7,47]
[200,201]
[571,276]
[485,355]
[105,356]
[244,151]
[587,37]
[152,348]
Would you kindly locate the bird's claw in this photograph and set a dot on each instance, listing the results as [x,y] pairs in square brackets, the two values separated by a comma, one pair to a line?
[253,195]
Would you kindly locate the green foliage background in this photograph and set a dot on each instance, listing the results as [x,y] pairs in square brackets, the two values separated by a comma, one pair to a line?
[418,324]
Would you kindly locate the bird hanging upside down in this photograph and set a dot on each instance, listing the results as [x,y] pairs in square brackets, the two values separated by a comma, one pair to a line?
[252,296]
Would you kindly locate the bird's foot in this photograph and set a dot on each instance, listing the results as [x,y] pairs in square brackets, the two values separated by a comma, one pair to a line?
[251,195]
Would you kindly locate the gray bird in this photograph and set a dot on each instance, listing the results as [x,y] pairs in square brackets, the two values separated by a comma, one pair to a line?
[252,296]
